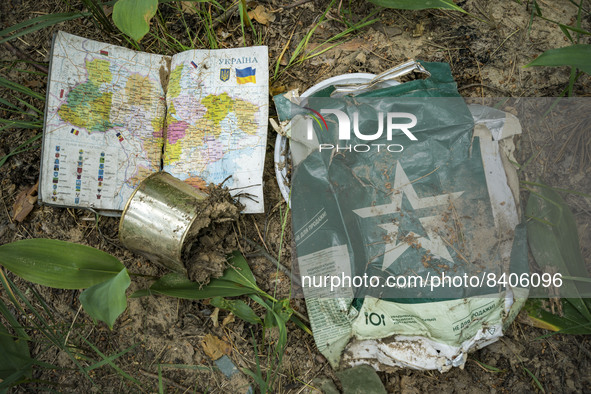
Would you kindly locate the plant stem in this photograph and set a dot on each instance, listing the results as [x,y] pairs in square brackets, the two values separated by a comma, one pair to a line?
[22,56]
[143,275]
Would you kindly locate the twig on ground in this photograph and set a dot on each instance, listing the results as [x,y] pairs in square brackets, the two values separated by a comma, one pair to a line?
[295,4]
[18,53]
[225,16]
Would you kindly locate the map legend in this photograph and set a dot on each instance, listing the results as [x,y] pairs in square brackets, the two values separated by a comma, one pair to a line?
[101,174]
[56,173]
[79,176]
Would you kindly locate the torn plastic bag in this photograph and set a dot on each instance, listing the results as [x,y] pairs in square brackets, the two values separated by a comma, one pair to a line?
[410,186]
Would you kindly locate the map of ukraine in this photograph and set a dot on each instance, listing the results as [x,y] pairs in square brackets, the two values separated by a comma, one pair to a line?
[195,127]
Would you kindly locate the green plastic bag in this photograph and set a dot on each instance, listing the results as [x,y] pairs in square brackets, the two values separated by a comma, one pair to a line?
[395,193]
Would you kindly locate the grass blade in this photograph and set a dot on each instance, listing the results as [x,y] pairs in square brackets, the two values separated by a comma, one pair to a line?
[535,379]
[12,321]
[418,4]
[5,83]
[15,355]
[557,247]
[111,363]
[237,280]
[578,56]
[98,14]
[20,149]
[109,359]
[39,322]
[558,189]
[160,383]
[38,23]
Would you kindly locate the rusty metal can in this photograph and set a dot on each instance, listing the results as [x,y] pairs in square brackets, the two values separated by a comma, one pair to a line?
[158,217]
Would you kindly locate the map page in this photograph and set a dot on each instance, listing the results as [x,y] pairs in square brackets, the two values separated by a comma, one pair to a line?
[104,123]
[111,112]
[217,111]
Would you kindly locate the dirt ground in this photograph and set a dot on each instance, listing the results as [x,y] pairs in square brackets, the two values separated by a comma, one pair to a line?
[486,50]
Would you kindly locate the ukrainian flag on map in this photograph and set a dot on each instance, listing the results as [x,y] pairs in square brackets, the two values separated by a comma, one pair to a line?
[245,75]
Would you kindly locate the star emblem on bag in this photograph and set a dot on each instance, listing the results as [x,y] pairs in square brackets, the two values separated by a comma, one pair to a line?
[433,242]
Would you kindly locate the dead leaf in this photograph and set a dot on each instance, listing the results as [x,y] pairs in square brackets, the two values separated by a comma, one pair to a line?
[228,319]
[150,12]
[418,30]
[261,15]
[277,88]
[108,10]
[354,44]
[33,83]
[214,347]
[25,202]
[188,7]
[214,317]
[361,58]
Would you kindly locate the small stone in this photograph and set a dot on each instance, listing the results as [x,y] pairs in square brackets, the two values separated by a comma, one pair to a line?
[361,379]
[226,366]
[325,385]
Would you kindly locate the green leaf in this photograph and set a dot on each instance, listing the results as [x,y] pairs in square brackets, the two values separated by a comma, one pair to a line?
[239,271]
[282,310]
[59,264]
[300,324]
[418,4]
[106,301]
[177,285]
[15,355]
[578,56]
[140,293]
[278,313]
[133,17]
[566,32]
[571,321]
[237,280]
[556,245]
[238,308]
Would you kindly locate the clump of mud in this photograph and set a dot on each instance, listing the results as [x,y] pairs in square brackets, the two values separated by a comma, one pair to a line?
[212,236]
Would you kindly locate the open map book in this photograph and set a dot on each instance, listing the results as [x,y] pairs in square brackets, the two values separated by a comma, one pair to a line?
[114,116]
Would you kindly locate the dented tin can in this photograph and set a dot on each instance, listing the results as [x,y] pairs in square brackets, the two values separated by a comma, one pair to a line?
[158,217]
